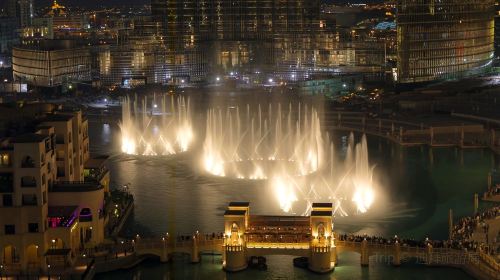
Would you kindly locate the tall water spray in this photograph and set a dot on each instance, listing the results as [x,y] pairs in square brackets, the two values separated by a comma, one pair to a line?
[253,144]
[287,149]
[157,126]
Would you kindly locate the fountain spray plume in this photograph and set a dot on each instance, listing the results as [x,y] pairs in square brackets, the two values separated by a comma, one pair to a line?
[156,127]
[261,145]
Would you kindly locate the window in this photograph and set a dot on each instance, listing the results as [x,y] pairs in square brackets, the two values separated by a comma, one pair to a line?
[28,181]
[60,171]
[6,182]
[10,229]
[27,162]
[7,200]
[4,160]
[29,200]
[44,197]
[33,227]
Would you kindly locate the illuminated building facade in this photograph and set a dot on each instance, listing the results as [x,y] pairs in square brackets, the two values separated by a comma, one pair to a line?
[444,39]
[51,63]
[288,39]
[138,58]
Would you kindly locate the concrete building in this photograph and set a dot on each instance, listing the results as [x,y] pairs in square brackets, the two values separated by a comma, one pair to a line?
[51,63]
[52,193]
[446,39]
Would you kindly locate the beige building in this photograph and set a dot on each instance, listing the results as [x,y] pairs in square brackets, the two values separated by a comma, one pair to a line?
[52,194]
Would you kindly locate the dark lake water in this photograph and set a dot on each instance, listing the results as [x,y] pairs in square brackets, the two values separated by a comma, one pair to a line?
[418,185]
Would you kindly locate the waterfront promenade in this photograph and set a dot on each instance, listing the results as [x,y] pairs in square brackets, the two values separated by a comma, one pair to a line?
[464,250]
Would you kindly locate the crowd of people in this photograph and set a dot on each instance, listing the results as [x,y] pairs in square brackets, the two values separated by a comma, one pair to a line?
[461,234]
[493,191]
[464,228]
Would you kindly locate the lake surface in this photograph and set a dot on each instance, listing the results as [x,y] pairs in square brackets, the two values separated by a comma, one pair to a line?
[417,187]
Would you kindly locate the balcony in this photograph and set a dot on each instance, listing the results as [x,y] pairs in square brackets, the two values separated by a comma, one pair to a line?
[95,174]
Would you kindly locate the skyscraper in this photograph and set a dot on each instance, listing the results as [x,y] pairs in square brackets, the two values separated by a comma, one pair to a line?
[23,10]
[443,39]
[240,34]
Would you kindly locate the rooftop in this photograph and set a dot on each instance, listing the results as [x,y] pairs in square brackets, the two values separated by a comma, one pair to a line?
[259,220]
[235,212]
[96,162]
[239,204]
[29,138]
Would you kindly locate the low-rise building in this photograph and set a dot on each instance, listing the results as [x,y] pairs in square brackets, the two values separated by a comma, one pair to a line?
[52,194]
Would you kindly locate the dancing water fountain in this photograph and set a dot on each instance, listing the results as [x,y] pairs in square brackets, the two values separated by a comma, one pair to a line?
[260,146]
[286,148]
[156,127]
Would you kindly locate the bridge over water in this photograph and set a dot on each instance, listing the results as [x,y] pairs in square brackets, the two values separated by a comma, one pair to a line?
[248,235]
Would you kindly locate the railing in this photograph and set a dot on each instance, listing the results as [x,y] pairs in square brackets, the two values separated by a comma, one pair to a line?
[483,267]
[276,245]
[143,244]
[490,261]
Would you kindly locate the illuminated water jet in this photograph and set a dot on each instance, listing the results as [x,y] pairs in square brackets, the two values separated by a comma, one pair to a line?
[287,149]
[156,127]
[260,145]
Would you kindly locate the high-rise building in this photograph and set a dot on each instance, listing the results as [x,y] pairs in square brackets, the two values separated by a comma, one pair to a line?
[23,10]
[243,35]
[443,39]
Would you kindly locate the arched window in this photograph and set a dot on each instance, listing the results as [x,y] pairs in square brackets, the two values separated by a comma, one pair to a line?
[234,228]
[321,230]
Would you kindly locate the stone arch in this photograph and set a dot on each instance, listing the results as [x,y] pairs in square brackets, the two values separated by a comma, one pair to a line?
[10,255]
[57,243]
[32,254]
